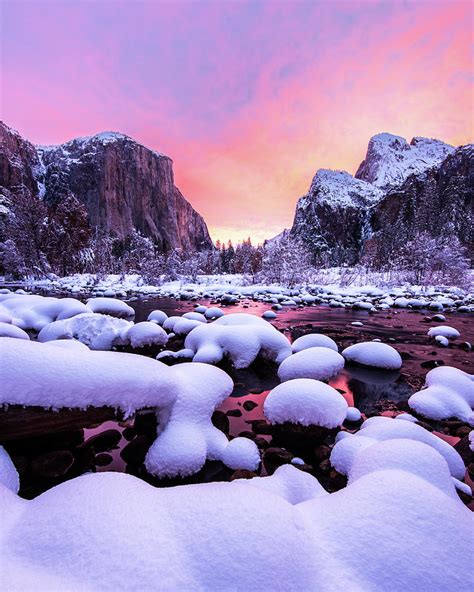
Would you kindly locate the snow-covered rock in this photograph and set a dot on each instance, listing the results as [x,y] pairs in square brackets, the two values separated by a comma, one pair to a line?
[146,333]
[319,363]
[378,429]
[448,392]
[239,337]
[241,453]
[373,354]
[7,330]
[184,396]
[111,307]
[307,402]
[444,331]
[8,474]
[313,340]
[97,331]
[157,316]
[34,311]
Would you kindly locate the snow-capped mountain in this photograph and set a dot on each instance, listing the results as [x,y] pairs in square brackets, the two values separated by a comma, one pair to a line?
[398,190]
[390,159]
[123,184]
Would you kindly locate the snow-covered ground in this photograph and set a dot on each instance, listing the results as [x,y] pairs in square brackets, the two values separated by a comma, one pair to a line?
[281,532]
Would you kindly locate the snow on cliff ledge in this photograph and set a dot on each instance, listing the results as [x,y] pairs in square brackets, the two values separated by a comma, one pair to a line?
[390,160]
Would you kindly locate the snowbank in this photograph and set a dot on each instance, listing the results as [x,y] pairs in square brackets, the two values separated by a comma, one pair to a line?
[111,531]
[112,307]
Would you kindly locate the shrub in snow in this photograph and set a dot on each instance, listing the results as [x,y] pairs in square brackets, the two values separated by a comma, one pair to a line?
[146,333]
[97,331]
[379,429]
[448,392]
[306,402]
[7,330]
[239,337]
[444,331]
[374,355]
[319,363]
[313,340]
[157,316]
[112,307]
[187,538]
[184,396]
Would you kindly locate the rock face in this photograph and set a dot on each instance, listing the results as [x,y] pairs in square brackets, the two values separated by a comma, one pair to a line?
[124,185]
[398,190]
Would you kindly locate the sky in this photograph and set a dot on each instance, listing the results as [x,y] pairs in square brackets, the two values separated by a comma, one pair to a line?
[249,98]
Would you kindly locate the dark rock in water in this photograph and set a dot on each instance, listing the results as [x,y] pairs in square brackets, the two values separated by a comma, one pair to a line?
[145,423]
[462,431]
[243,474]
[464,450]
[249,405]
[249,435]
[260,426]
[432,364]
[261,443]
[275,457]
[129,433]
[135,451]
[321,453]
[21,463]
[466,346]
[300,439]
[255,391]
[52,464]
[234,413]
[336,480]
[221,421]
[104,441]
[103,459]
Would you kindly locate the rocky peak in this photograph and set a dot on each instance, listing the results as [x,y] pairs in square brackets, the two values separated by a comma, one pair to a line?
[341,189]
[124,185]
[390,159]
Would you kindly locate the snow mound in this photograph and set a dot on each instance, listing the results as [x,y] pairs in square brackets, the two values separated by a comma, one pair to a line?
[97,331]
[241,453]
[7,330]
[184,396]
[444,331]
[146,333]
[213,313]
[239,337]
[379,429]
[448,392]
[319,363]
[111,307]
[35,312]
[290,536]
[373,354]
[313,340]
[157,316]
[307,402]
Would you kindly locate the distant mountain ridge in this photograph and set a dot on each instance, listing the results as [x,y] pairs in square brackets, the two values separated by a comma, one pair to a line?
[399,189]
[124,185]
